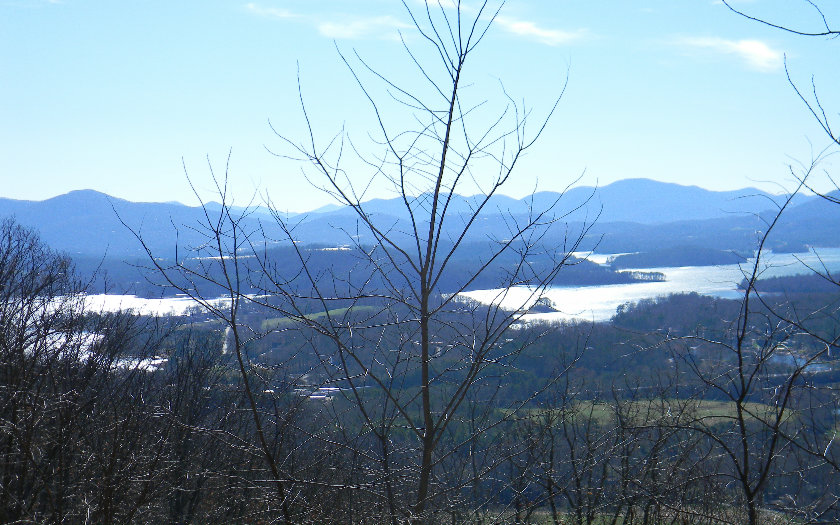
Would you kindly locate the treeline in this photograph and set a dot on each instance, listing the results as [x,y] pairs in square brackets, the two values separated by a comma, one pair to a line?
[676,256]
[796,284]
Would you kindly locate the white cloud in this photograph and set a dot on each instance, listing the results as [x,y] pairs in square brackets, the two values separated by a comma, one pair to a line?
[447,4]
[388,27]
[551,37]
[274,12]
[338,26]
[380,26]
[755,53]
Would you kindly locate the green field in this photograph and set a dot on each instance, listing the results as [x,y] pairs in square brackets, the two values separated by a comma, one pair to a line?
[280,323]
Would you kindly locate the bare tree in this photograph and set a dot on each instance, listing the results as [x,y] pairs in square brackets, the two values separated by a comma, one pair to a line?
[762,372]
[212,275]
[41,330]
[822,28]
[77,442]
[391,333]
[812,326]
[424,351]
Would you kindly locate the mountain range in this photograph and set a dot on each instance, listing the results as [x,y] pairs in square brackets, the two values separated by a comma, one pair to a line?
[625,216]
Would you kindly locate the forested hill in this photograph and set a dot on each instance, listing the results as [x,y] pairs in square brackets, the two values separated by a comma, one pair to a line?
[342,268]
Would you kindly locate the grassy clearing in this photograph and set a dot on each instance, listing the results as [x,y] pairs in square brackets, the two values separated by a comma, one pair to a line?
[280,323]
[676,410]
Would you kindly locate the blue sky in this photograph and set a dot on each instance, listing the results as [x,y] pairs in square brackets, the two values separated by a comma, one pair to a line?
[112,95]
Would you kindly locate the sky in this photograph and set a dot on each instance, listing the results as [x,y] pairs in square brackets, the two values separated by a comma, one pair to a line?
[141,100]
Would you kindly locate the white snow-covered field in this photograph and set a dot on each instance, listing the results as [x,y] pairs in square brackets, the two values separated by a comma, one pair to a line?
[139,305]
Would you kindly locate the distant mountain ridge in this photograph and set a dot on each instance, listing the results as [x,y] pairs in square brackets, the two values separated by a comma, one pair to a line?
[87,222]
[642,201]
[90,223]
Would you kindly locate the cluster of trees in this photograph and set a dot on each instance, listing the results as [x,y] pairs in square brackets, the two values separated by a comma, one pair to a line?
[676,256]
[115,419]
